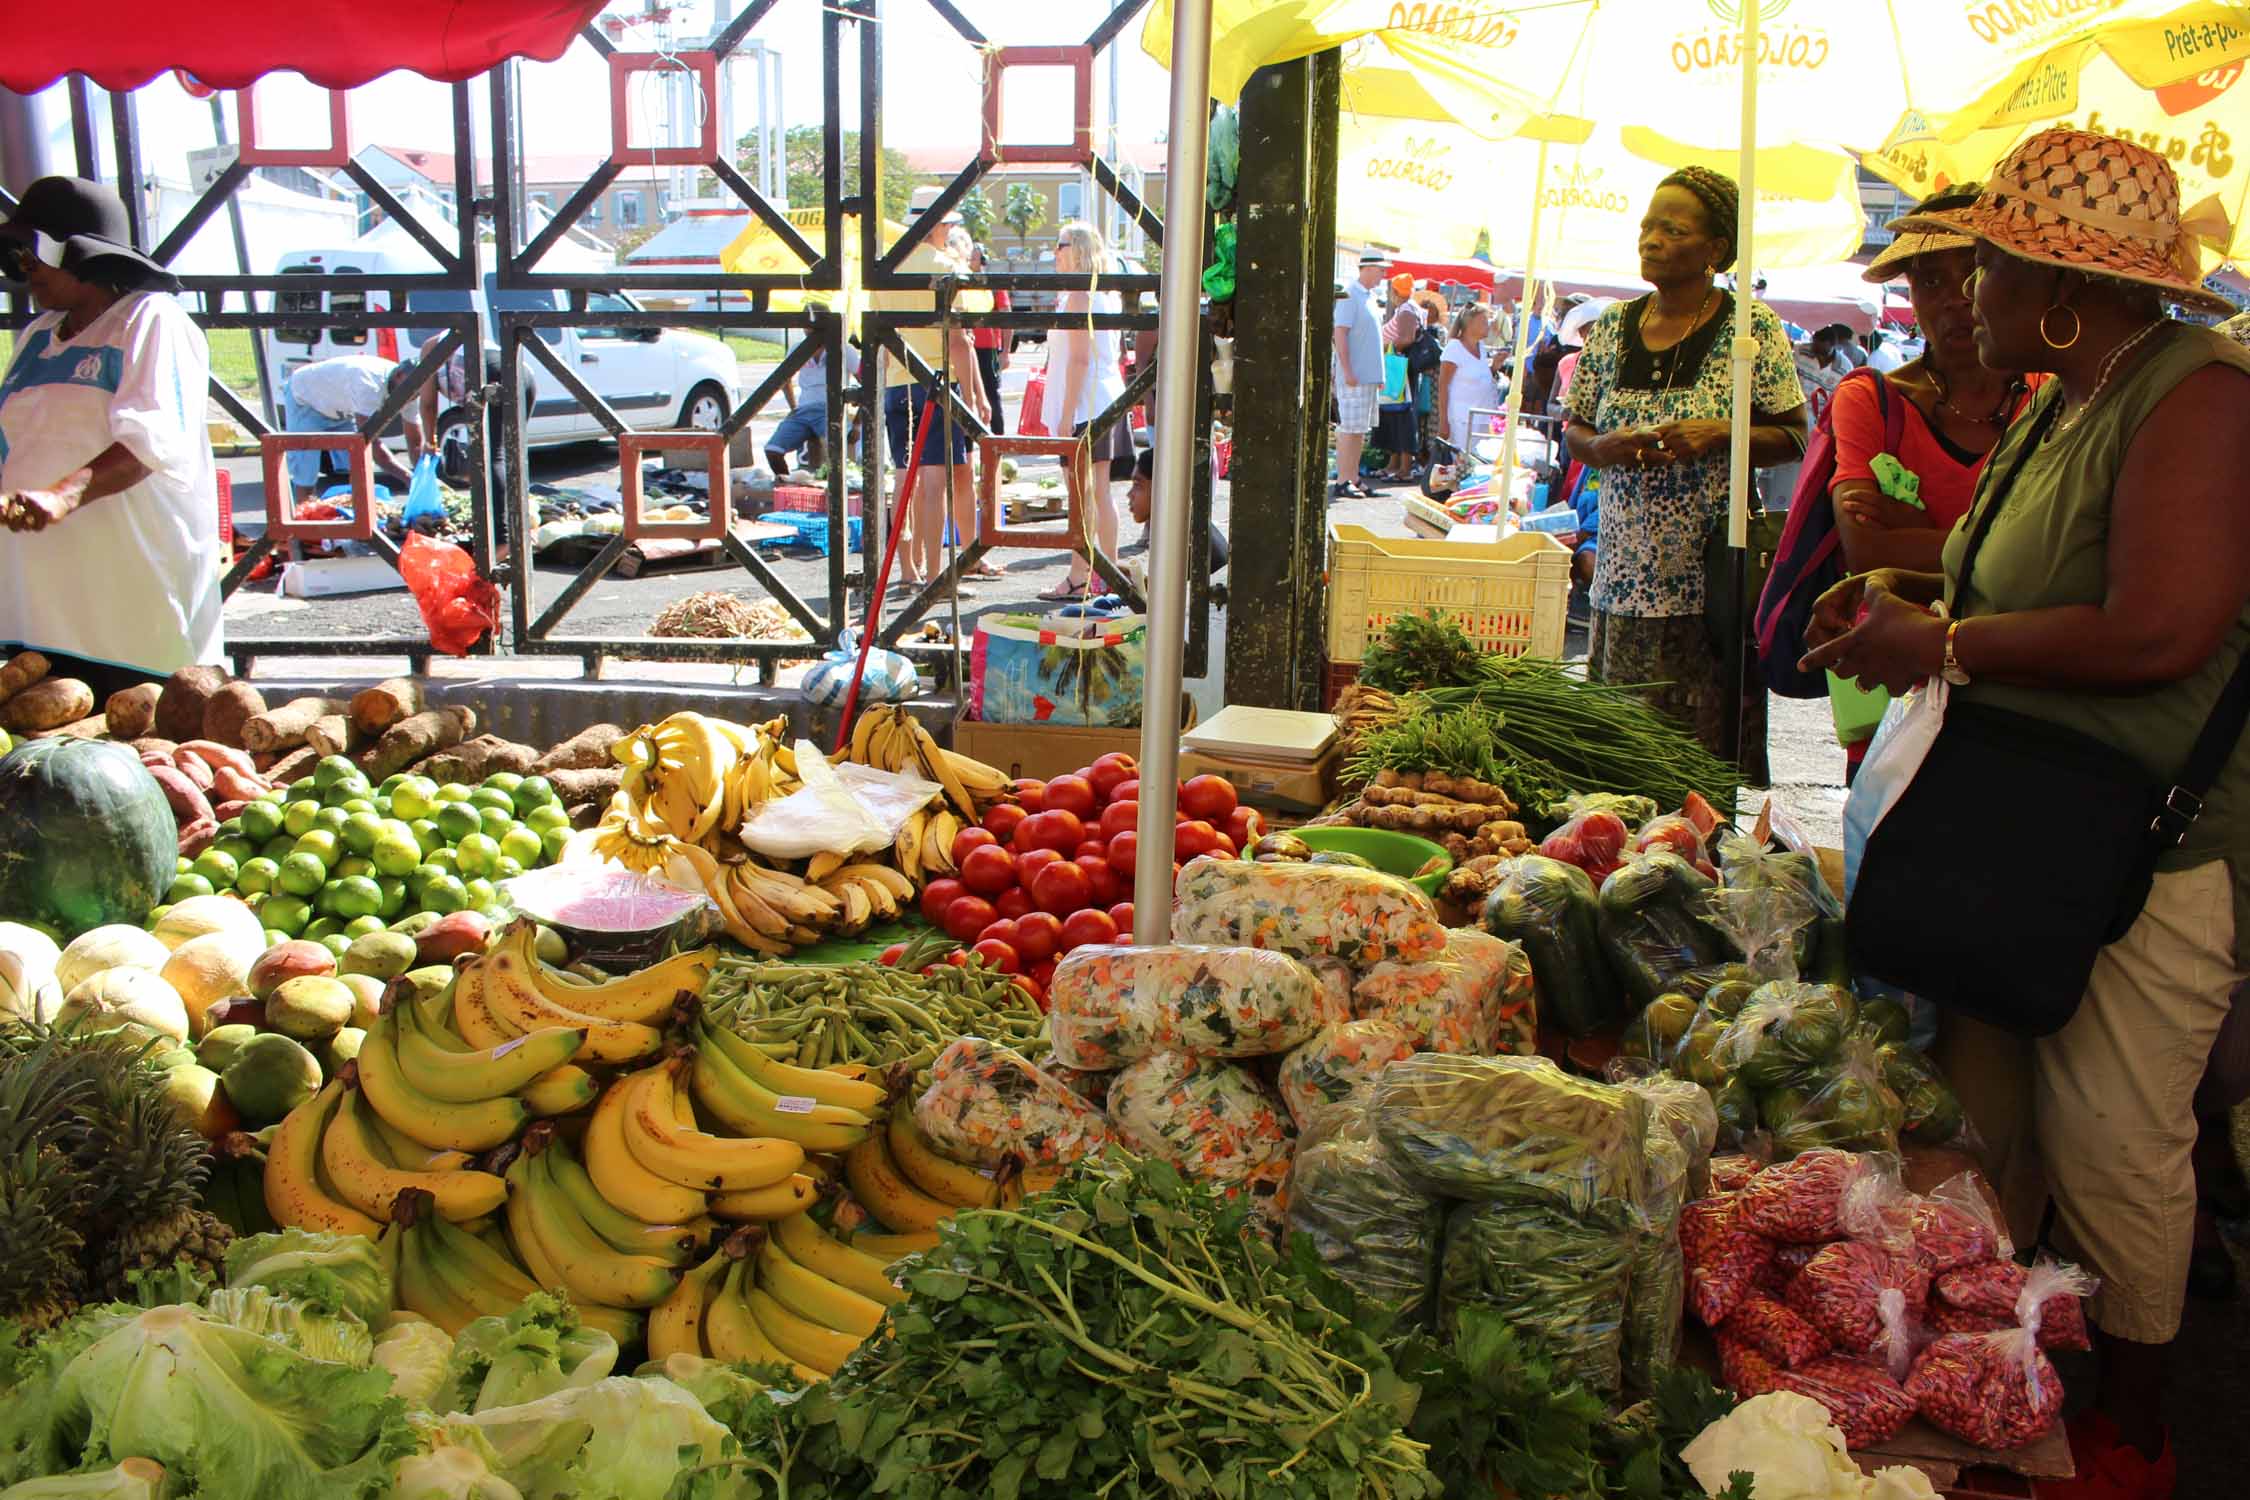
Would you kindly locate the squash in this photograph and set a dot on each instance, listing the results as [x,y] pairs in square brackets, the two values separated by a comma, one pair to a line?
[27,974]
[106,948]
[127,997]
[86,837]
[202,916]
[209,969]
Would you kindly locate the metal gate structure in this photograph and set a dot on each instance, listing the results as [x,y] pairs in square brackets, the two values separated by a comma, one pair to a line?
[497,406]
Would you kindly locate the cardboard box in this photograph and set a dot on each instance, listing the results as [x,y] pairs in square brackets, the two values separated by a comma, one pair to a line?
[1274,786]
[1040,750]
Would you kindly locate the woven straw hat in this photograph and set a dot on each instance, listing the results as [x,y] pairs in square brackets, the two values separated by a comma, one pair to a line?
[1891,264]
[2097,204]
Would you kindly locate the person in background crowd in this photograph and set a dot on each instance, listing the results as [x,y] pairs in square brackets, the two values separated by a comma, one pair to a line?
[805,429]
[1847,345]
[1882,351]
[107,483]
[1359,375]
[339,395]
[991,345]
[1820,369]
[1083,380]
[1423,362]
[1539,378]
[1465,380]
[1140,504]
[2084,610]
[1650,407]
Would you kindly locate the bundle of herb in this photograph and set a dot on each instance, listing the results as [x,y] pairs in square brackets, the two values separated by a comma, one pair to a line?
[1469,740]
[1421,651]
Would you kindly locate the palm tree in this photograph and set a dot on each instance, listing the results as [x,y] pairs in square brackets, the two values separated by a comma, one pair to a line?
[1024,210]
[976,215]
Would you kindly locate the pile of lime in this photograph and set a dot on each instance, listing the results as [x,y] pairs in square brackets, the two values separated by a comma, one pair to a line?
[331,857]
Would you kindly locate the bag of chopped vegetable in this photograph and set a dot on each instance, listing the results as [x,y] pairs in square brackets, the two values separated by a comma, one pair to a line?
[1556,1278]
[987,1103]
[1788,1032]
[1340,1064]
[1633,810]
[1515,1127]
[1211,1119]
[1367,1223]
[1306,911]
[1931,1113]
[1654,925]
[1335,978]
[1089,1085]
[1844,1104]
[1108,1005]
[1551,908]
[1451,1003]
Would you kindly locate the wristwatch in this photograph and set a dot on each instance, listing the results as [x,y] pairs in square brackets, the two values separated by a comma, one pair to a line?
[1951,670]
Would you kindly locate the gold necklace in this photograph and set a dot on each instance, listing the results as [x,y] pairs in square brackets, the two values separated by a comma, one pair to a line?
[2101,377]
[1670,354]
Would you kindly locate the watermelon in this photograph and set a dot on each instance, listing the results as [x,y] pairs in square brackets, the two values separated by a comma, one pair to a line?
[86,835]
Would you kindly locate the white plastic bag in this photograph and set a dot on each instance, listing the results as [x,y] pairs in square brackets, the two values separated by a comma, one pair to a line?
[1902,742]
[820,815]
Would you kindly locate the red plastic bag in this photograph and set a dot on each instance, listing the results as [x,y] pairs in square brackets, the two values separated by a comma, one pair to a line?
[1801,1201]
[1955,1227]
[1776,1331]
[459,607]
[1031,417]
[1867,1300]
[1593,841]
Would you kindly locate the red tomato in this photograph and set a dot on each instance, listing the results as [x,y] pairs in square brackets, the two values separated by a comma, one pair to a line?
[1101,880]
[1210,798]
[988,869]
[997,955]
[968,839]
[1093,846]
[1038,935]
[1057,829]
[1244,827]
[1083,927]
[1003,930]
[1030,793]
[1033,988]
[1194,837]
[1124,849]
[1122,915]
[1061,888]
[892,954]
[1071,794]
[1128,790]
[937,896]
[1001,818]
[1031,862]
[1119,816]
[1110,772]
[1223,846]
[1044,970]
[968,916]
[1014,902]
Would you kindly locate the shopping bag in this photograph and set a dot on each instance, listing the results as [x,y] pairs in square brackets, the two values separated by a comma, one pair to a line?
[459,608]
[1031,420]
[890,678]
[1902,741]
[422,498]
[1030,669]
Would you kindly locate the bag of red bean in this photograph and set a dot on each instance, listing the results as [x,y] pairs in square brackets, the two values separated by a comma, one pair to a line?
[1954,1226]
[1996,1390]
[1864,1402]
[1723,1260]
[1732,1173]
[1744,1369]
[2045,1299]
[1775,1331]
[1787,1261]
[1944,1318]
[1868,1301]
[1801,1201]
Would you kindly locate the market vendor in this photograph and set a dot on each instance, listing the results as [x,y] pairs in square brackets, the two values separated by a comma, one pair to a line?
[2082,609]
[107,481]
[1650,404]
[1140,501]
[339,395]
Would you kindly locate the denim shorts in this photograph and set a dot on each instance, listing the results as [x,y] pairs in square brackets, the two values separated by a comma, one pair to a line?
[902,415]
[804,424]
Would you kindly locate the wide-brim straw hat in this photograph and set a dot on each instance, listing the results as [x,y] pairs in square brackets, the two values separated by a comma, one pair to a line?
[1891,264]
[2096,204]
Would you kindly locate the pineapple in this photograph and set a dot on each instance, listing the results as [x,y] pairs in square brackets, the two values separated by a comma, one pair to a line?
[147,1172]
[42,1196]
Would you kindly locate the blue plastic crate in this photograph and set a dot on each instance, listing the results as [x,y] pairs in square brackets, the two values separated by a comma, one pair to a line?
[812,530]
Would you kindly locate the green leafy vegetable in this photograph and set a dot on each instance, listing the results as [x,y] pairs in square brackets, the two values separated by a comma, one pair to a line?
[342,1272]
[417,1353]
[134,1479]
[538,1349]
[335,1336]
[623,1438]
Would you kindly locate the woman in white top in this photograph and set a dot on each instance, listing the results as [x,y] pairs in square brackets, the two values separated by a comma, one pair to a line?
[1465,381]
[1083,379]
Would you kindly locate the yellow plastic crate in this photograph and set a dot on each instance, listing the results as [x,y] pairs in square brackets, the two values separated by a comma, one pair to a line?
[1511,597]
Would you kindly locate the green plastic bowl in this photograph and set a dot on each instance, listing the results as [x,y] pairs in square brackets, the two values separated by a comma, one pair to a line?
[1399,854]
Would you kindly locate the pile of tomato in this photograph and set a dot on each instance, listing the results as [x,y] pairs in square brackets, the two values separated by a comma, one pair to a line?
[1052,870]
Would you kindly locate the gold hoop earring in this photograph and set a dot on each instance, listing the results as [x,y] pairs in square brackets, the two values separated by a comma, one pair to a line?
[2076,327]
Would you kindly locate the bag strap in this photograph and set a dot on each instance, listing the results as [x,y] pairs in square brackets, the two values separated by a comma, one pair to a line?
[1980,523]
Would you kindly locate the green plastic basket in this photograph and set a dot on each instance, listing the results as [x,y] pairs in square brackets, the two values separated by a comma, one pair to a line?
[1399,854]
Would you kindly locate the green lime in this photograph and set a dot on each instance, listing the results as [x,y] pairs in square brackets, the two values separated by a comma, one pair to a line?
[457,820]
[297,818]
[257,875]
[184,886]
[333,769]
[358,805]
[442,894]
[285,913]
[553,840]
[302,874]
[444,861]
[350,865]
[509,867]
[355,790]
[492,796]
[383,806]
[534,791]
[303,789]
[393,892]
[155,915]
[395,852]
[275,937]
[360,831]
[336,943]
[497,821]
[231,828]
[321,845]
[479,893]
[181,864]
[545,816]
[277,849]
[324,900]
[359,927]
[523,845]
[502,781]
[413,797]
[260,821]
[237,849]
[426,834]
[390,783]
[331,818]
[454,791]
[477,854]
[356,896]
[218,867]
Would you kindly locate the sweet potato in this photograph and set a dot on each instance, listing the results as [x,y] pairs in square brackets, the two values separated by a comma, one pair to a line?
[47,704]
[586,750]
[284,728]
[189,805]
[233,786]
[377,708]
[217,755]
[298,762]
[148,745]
[195,770]
[413,739]
[23,669]
[228,709]
[330,734]
[131,712]
[197,837]
[179,708]
[226,810]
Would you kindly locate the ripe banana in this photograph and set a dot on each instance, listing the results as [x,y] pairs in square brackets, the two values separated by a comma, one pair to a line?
[931,760]
[825,864]
[675,1325]
[889,1249]
[400,1151]
[810,1295]
[729,1327]
[817,1251]
[473,1016]
[646,995]
[372,1185]
[695,1158]
[621,1178]
[786,1079]
[516,1003]
[946,1181]
[799,1339]
[937,845]
[884,1191]
[765,1205]
[563,1091]
[590,1268]
[479,1275]
[293,1193]
[462,1127]
[671,1243]
[419,1288]
[463,1076]
[747,1107]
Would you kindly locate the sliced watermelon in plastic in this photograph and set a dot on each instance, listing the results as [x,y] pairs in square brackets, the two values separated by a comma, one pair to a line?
[602,910]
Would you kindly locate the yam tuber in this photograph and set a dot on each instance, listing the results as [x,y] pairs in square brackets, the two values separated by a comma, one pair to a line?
[284,728]
[472,761]
[131,712]
[595,785]
[377,708]
[330,734]
[228,709]
[298,762]
[23,669]
[92,727]
[179,708]
[48,703]
[587,750]
[416,738]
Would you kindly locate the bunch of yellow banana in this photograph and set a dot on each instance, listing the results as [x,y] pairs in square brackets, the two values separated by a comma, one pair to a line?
[511,992]
[889,738]
[869,893]
[442,1272]
[769,910]
[569,1235]
[792,1295]
[759,1096]
[910,1188]
[676,773]
[369,1163]
[924,847]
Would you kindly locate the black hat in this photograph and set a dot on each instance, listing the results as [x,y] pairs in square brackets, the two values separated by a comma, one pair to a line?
[87,220]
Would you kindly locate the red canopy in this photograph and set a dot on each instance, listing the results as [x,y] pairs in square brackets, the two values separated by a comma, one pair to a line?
[230,43]
[1440,272]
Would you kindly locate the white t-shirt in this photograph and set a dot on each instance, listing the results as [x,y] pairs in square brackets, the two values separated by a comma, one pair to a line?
[131,579]
[1887,358]
[350,385]
[1104,381]
[1473,387]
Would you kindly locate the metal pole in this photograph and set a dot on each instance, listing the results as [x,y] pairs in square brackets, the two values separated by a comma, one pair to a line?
[242,264]
[1745,352]
[23,141]
[1523,337]
[1179,338]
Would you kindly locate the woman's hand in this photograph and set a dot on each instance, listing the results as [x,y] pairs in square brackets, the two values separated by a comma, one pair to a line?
[1896,646]
[1879,512]
[1679,442]
[36,510]
[1625,448]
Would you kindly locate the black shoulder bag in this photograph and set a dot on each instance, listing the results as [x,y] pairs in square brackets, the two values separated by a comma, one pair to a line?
[2021,848]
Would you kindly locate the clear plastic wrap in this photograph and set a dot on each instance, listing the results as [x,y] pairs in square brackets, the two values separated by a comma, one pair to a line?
[1633,809]
[1336,978]
[1088,1084]
[1515,1127]
[1676,833]
[986,1103]
[1930,1112]
[1368,1224]
[1996,1390]
[1745,1369]
[1551,908]
[1211,1119]
[1801,1201]
[1450,1003]
[1725,1262]
[1656,1034]
[1515,1018]
[1656,1291]
[2048,1299]
[1681,1107]
[1954,1226]
[1110,1004]
[1775,1330]
[1556,1278]
[1845,1105]
[1787,1031]
[1306,911]
[1593,841]
[1867,1405]
[1747,864]
[1340,1063]
[1732,1172]
[1868,1301]
[1653,924]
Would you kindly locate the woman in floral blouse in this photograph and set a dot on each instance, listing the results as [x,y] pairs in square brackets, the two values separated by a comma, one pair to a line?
[1650,402]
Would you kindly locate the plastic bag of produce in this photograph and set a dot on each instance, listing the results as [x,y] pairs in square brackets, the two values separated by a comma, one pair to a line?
[1801,1201]
[1515,1127]
[1088,1084]
[1558,1279]
[1451,1003]
[1775,1330]
[1725,1261]
[1307,911]
[1930,1112]
[1339,1064]
[1108,1005]
[1865,1402]
[1677,1105]
[1652,924]
[1656,1290]
[1676,833]
[1368,1224]
[1954,1226]
[1745,1369]
[1656,1033]
[1996,1390]
[1336,978]
[1592,841]
[1846,1105]
[1787,1030]
[986,1103]
[2048,1299]
[1764,923]
[1211,1119]
[1732,1173]
[1515,1018]
[1551,908]
[1633,810]
[1868,1300]
[1748,864]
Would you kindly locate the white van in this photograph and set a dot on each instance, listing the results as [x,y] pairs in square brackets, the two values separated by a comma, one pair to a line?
[651,377]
